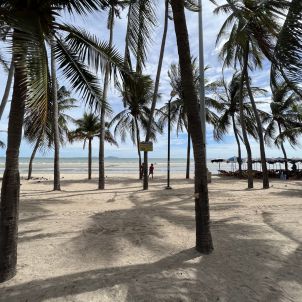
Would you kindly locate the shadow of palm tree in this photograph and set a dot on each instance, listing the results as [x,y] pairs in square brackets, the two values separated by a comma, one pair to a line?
[245,266]
[226,275]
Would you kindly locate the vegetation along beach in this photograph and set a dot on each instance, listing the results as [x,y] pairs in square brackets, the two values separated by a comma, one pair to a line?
[150,150]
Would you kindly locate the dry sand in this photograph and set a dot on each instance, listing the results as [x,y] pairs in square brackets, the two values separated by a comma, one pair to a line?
[124,244]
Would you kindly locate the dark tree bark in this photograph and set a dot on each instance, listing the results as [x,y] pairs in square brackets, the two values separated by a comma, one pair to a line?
[156,88]
[89,157]
[30,166]
[188,156]
[250,180]
[103,112]
[9,208]
[260,132]
[204,242]
[138,151]
[283,149]
[127,58]
[238,144]
[7,88]
[56,182]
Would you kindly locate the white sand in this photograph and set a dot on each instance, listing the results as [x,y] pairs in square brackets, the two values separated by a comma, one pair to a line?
[124,244]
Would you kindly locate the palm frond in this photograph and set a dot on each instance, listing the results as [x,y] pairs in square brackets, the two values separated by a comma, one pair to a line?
[80,78]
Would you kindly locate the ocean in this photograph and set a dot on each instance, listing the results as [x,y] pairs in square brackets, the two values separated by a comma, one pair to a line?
[113,165]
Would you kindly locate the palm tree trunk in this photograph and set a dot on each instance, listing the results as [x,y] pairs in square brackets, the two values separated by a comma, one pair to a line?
[56,183]
[10,191]
[188,156]
[127,59]
[30,167]
[156,88]
[260,132]
[139,51]
[138,151]
[238,145]
[244,131]
[283,149]
[103,112]
[204,242]
[89,157]
[7,88]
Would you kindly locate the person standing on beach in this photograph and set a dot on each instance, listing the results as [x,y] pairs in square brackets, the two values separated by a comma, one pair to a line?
[151,170]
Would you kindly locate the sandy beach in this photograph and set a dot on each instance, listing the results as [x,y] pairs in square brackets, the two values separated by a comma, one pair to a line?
[124,244]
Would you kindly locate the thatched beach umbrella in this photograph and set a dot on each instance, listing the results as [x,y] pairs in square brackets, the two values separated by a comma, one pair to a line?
[218,160]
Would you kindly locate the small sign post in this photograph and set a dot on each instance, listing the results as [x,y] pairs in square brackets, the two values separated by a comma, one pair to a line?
[146,146]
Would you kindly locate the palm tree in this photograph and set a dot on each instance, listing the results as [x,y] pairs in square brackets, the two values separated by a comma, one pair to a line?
[114,11]
[31,81]
[88,127]
[192,6]
[55,108]
[156,88]
[9,68]
[287,54]
[254,28]
[140,24]
[8,85]
[43,136]
[137,95]
[230,115]
[204,242]
[283,119]
[178,106]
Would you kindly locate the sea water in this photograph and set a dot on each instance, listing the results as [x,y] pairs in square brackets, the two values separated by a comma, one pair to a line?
[113,165]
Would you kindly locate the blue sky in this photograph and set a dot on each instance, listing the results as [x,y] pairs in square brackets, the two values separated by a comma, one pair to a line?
[96,24]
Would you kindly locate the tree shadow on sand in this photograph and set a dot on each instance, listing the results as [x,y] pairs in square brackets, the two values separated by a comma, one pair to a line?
[245,266]
[226,275]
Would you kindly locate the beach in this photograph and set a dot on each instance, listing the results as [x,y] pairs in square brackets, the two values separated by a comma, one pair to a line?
[125,244]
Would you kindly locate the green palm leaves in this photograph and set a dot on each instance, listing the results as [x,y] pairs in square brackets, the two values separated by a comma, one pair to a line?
[285,121]
[87,128]
[179,106]
[137,96]
[229,99]
[141,22]
[34,23]
[288,52]
[40,128]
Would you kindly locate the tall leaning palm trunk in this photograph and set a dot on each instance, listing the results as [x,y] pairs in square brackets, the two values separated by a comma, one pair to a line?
[9,208]
[250,181]
[7,88]
[259,126]
[103,111]
[202,214]
[30,166]
[56,182]
[156,88]
[283,148]
[238,144]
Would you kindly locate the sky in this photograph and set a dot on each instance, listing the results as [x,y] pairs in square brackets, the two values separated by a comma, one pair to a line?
[96,24]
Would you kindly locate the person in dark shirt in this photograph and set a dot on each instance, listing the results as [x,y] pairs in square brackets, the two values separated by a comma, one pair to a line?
[151,170]
[294,167]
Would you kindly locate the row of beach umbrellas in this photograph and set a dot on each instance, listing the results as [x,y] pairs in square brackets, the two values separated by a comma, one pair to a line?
[281,160]
[270,161]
